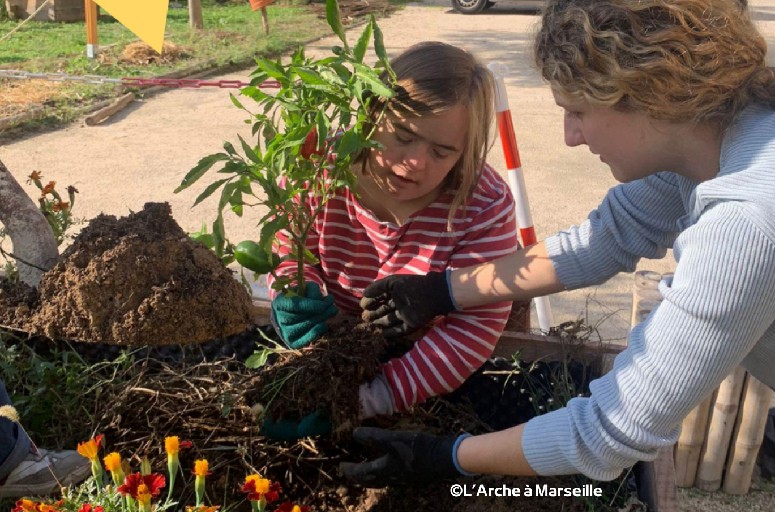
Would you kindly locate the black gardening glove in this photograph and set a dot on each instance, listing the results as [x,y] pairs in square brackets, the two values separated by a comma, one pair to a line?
[401,304]
[409,457]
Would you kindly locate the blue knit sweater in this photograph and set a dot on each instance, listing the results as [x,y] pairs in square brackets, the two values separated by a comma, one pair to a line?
[718,311]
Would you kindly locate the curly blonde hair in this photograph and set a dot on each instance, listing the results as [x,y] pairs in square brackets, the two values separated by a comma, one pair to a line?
[674,60]
[433,77]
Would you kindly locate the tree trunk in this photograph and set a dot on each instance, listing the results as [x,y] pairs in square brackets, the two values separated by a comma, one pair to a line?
[34,244]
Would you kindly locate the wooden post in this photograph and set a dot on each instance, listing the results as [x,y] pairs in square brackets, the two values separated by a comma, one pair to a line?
[195,19]
[722,423]
[90,9]
[689,446]
[749,432]
[265,20]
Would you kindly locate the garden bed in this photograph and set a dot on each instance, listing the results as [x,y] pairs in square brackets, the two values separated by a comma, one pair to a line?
[197,392]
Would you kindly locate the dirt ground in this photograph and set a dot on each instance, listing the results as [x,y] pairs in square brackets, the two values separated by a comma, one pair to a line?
[142,154]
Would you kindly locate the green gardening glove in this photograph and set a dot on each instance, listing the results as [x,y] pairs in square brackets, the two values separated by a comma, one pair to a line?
[314,424]
[301,320]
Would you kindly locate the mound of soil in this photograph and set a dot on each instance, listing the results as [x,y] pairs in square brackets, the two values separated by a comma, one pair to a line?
[135,280]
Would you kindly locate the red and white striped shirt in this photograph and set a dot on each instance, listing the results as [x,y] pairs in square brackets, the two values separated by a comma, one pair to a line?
[355,249]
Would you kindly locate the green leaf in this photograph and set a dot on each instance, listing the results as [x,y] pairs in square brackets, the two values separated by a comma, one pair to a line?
[236,101]
[363,43]
[309,76]
[249,152]
[372,80]
[349,143]
[219,235]
[272,69]
[212,187]
[379,49]
[200,169]
[258,358]
[335,22]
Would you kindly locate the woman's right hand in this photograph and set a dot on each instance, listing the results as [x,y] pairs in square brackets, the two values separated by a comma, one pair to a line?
[401,304]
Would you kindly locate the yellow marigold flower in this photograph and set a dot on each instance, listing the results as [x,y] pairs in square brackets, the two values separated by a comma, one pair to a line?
[113,461]
[90,448]
[261,485]
[201,467]
[172,445]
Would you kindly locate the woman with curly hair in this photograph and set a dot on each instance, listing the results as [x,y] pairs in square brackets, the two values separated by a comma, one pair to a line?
[675,97]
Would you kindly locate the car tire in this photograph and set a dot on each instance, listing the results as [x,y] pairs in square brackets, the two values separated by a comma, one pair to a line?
[469,6]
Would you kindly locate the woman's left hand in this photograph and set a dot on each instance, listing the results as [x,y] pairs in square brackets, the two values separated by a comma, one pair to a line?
[409,457]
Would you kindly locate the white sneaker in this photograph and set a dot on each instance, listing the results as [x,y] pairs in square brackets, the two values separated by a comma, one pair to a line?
[45,473]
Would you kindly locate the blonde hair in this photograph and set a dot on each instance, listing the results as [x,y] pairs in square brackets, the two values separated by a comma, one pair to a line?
[433,77]
[675,60]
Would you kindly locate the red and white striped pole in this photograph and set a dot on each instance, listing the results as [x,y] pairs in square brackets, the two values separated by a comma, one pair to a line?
[517,182]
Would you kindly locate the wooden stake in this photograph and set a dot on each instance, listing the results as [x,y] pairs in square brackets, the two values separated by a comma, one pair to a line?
[722,423]
[195,19]
[90,14]
[689,446]
[265,20]
[749,432]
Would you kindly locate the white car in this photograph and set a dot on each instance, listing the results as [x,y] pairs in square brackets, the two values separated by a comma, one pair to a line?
[477,6]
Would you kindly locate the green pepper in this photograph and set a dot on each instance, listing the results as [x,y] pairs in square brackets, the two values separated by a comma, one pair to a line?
[250,255]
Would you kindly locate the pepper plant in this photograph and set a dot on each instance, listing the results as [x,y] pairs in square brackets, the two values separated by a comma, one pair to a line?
[307,136]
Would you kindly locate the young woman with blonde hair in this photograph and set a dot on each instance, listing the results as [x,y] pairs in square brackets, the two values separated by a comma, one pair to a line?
[675,97]
[426,201]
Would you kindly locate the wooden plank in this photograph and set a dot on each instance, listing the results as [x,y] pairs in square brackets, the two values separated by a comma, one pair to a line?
[113,108]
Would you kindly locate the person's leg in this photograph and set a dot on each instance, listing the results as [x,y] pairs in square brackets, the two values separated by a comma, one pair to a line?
[27,471]
[14,443]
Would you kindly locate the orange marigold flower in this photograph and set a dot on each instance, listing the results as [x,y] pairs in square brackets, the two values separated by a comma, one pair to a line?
[49,188]
[112,461]
[90,448]
[258,488]
[35,176]
[173,445]
[25,506]
[201,468]
[45,507]
[60,206]
[203,508]
[151,484]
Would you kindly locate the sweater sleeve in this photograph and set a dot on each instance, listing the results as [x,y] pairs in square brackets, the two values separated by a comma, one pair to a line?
[635,220]
[717,306]
[458,344]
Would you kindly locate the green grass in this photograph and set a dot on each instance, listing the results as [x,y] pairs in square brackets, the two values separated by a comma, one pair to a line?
[233,35]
